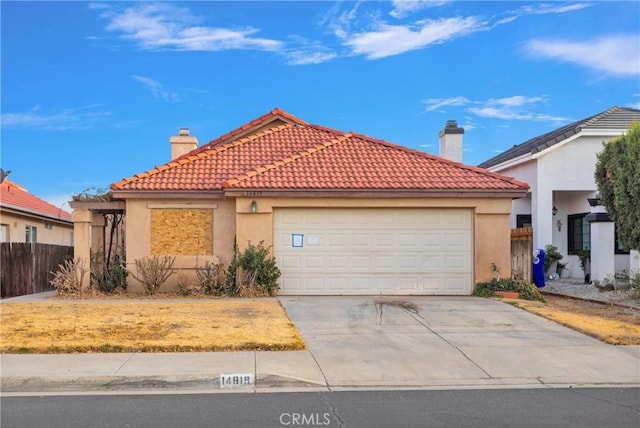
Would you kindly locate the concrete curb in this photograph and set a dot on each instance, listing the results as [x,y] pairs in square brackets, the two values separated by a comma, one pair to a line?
[142,383]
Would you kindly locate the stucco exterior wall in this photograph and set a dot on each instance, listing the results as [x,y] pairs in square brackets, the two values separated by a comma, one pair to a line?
[491,230]
[491,222]
[59,234]
[138,236]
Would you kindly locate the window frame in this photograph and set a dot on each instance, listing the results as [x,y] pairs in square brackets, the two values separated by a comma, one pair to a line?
[571,218]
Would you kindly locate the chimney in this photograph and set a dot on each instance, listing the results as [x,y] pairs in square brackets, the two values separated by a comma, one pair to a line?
[451,141]
[182,143]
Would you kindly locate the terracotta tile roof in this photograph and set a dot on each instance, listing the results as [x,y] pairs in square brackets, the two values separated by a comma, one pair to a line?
[357,162]
[260,122]
[296,156]
[16,197]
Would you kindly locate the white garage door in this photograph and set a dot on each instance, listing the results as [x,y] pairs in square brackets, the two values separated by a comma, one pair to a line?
[374,251]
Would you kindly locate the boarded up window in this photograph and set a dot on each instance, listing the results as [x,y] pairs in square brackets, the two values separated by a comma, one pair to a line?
[181,231]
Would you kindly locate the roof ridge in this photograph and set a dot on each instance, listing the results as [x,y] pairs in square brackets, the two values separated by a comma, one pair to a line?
[441,159]
[277,111]
[195,156]
[588,121]
[287,160]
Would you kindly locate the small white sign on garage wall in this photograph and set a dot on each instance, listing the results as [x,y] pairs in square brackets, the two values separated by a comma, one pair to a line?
[297,240]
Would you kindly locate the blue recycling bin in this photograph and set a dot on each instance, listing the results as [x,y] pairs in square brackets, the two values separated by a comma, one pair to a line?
[538,268]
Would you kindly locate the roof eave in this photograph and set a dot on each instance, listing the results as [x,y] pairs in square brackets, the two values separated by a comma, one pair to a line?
[378,193]
[23,211]
[510,163]
[168,194]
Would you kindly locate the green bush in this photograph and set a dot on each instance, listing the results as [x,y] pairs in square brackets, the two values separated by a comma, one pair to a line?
[108,275]
[551,254]
[525,289]
[253,269]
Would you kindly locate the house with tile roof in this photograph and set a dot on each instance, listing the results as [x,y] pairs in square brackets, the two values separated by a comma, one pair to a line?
[559,167]
[27,218]
[344,213]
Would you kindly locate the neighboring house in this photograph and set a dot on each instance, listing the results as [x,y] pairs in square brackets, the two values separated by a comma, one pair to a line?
[559,167]
[345,213]
[27,218]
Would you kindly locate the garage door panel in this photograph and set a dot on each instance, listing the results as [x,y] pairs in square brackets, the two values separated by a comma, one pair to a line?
[373,251]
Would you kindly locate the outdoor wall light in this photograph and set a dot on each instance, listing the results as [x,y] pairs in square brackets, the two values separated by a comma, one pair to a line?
[559,225]
[254,207]
[554,211]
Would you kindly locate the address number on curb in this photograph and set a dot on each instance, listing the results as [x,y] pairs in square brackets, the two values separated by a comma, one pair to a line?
[236,380]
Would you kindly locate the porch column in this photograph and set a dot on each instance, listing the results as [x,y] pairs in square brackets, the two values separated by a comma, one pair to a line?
[82,219]
[634,262]
[602,242]
[542,218]
[97,232]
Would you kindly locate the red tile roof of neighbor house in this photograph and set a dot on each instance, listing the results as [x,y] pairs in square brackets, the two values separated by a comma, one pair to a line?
[299,156]
[16,197]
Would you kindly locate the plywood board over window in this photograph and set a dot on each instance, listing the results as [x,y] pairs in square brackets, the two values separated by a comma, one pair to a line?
[178,231]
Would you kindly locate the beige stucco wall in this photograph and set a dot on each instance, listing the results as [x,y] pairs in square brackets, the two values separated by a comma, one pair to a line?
[491,222]
[59,234]
[138,236]
[491,229]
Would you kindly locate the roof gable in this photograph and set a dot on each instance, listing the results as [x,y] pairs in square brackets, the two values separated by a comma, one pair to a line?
[614,119]
[295,156]
[16,197]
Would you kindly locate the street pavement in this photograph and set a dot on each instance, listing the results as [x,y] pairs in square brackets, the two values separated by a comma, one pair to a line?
[364,342]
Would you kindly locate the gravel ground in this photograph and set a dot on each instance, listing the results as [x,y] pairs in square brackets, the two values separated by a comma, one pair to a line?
[577,288]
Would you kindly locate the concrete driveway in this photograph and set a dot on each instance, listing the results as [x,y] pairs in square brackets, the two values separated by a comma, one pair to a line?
[464,341]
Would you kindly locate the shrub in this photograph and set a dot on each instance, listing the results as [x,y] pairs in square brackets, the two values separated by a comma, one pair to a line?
[187,286]
[253,268]
[525,289]
[634,281]
[69,276]
[551,255]
[108,275]
[154,271]
[212,280]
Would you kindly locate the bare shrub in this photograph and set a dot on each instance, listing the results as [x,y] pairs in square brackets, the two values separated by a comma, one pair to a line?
[212,279]
[69,276]
[154,271]
[187,286]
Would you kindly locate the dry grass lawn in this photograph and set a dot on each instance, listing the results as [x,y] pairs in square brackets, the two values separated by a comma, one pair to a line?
[146,326]
[608,323]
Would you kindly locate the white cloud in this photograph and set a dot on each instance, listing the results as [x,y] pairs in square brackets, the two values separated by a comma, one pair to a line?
[156,88]
[388,40]
[61,120]
[613,55]
[436,103]
[164,26]
[402,8]
[517,107]
[547,8]
[308,52]
[513,108]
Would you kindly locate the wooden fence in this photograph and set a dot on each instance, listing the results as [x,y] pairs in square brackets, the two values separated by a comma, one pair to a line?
[26,268]
[522,253]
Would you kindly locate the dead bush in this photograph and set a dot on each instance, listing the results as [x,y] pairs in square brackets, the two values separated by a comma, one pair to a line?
[154,271]
[69,276]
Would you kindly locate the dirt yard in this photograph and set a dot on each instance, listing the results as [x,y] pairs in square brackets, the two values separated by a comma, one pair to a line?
[609,323]
[146,326]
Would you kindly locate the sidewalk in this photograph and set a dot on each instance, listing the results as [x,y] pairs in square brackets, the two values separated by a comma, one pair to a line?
[356,343]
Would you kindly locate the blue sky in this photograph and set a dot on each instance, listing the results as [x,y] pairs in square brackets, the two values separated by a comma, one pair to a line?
[91,91]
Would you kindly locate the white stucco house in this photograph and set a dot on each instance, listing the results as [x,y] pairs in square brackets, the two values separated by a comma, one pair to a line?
[559,167]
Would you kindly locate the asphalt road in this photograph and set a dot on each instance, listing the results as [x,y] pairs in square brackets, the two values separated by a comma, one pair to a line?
[597,407]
